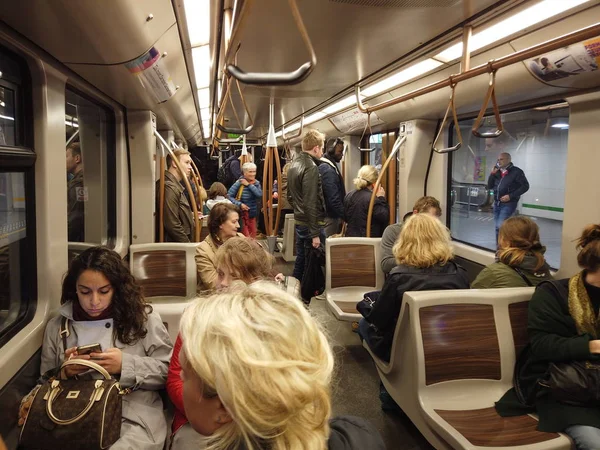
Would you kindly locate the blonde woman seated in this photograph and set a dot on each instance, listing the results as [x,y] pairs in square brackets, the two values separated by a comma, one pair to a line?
[521,260]
[257,372]
[223,224]
[424,255]
[356,205]
[239,262]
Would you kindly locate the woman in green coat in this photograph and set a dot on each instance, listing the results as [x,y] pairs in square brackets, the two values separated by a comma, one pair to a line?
[563,327]
[521,260]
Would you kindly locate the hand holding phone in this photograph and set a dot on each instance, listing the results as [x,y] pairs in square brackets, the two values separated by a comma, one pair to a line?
[90,348]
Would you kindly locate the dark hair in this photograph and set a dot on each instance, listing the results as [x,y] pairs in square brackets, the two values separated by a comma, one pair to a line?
[424,204]
[407,216]
[75,148]
[217,189]
[332,144]
[589,248]
[130,309]
[517,237]
[217,217]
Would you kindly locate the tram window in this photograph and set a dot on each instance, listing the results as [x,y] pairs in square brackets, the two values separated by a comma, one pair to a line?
[7,117]
[90,165]
[375,141]
[536,139]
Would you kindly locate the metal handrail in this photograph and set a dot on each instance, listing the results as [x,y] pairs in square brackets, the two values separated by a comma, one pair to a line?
[522,55]
[273,78]
[221,112]
[490,95]
[294,136]
[366,150]
[452,106]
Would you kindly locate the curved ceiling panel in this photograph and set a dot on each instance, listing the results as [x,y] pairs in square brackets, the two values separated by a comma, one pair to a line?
[90,31]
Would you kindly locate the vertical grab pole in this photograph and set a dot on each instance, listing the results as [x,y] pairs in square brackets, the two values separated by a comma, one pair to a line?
[161,201]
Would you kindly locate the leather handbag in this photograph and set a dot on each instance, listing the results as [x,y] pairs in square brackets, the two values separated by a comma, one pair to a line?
[576,383]
[365,306]
[74,413]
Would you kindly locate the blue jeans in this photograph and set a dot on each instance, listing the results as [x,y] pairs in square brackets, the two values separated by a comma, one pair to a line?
[303,241]
[585,437]
[502,211]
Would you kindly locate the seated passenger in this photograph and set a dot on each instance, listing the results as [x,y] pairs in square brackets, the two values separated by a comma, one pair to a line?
[222,225]
[521,260]
[257,373]
[245,193]
[239,262]
[217,193]
[424,256]
[356,205]
[102,303]
[429,205]
[562,327]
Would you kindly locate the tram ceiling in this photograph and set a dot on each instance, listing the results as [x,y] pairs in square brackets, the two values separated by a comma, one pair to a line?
[351,41]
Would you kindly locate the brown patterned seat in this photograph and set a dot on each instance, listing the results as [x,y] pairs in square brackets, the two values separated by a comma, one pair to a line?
[453,356]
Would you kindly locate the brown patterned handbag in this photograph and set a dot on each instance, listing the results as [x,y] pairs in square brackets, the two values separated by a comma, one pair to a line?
[74,414]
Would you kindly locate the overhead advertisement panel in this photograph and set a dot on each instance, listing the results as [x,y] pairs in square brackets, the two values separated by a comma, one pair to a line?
[153,75]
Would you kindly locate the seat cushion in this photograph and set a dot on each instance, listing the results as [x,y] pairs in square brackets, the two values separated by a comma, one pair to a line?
[342,301]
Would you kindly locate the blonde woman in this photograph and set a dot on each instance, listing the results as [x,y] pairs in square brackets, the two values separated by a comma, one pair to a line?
[521,260]
[257,373]
[356,205]
[424,263]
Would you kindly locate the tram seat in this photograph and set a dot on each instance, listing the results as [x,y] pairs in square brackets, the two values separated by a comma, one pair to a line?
[351,269]
[287,247]
[167,274]
[75,248]
[452,357]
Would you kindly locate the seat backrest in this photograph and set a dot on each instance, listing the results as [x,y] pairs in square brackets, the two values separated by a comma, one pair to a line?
[166,271]
[76,248]
[353,261]
[466,334]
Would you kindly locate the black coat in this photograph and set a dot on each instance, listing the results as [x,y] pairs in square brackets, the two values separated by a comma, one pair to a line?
[385,312]
[356,210]
[513,184]
[333,188]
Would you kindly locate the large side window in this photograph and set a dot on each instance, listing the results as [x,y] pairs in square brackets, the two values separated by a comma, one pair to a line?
[90,164]
[18,277]
[536,140]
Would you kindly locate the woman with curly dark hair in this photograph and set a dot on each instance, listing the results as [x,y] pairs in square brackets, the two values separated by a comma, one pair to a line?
[103,304]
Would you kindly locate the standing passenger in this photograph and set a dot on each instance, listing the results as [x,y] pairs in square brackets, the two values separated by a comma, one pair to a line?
[333,187]
[178,217]
[76,194]
[508,183]
[103,304]
[305,195]
[257,373]
[356,205]
[245,193]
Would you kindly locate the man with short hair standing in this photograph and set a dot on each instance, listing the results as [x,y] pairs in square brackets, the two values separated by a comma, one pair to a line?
[333,186]
[508,183]
[178,216]
[305,195]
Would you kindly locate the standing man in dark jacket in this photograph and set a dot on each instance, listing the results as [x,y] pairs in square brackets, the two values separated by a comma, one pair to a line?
[508,183]
[76,194]
[178,217]
[333,187]
[305,196]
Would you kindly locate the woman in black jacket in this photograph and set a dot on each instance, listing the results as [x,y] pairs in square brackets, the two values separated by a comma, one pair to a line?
[356,205]
[423,255]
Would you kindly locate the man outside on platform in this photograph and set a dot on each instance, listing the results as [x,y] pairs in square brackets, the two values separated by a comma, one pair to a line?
[76,194]
[333,187]
[305,195]
[508,183]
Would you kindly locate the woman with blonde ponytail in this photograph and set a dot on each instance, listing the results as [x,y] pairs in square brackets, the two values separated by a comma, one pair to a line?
[356,205]
[521,260]
[257,371]
[564,327]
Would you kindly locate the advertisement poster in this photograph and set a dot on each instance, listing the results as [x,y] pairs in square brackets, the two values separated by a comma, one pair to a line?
[567,62]
[353,120]
[153,75]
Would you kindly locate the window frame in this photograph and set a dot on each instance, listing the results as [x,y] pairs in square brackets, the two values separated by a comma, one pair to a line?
[519,108]
[21,158]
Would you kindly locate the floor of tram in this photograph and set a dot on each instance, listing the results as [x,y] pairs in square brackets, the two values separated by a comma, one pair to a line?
[356,383]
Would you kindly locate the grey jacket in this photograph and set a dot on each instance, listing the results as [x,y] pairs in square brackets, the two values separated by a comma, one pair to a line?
[144,369]
[178,217]
[390,235]
[305,193]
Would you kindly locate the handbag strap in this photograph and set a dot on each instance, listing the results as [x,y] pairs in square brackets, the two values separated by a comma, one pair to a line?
[55,389]
[525,279]
[64,332]
[84,362]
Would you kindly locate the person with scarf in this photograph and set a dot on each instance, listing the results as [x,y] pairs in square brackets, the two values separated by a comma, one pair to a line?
[508,183]
[101,303]
[563,327]
[244,193]
[520,261]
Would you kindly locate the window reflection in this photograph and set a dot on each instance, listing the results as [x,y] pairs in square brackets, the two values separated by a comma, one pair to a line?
[536,139]
[7,117]
[375,157]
